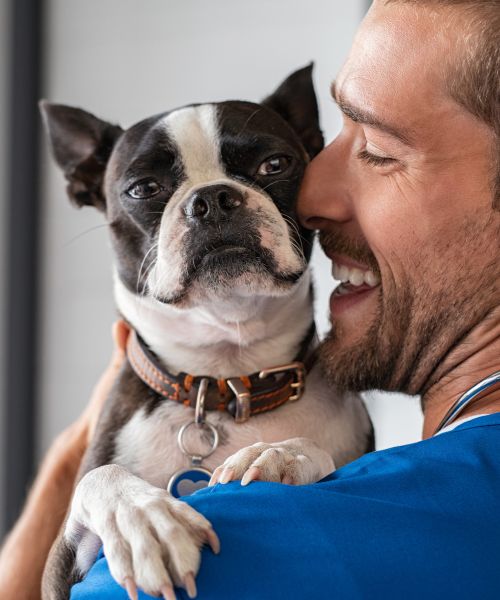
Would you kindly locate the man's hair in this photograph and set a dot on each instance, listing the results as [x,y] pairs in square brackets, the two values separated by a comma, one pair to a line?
[475,80]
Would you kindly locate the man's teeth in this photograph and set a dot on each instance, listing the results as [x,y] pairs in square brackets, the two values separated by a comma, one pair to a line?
[354,276]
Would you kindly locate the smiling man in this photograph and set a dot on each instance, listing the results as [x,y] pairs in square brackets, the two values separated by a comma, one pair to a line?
[408,195]
[407,204]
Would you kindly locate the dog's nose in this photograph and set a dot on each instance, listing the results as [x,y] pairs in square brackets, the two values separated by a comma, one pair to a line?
[214,202]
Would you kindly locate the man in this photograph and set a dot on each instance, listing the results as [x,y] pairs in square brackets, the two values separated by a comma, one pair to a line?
[410,190]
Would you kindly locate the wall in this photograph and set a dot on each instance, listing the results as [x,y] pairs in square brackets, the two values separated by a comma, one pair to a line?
[123,60]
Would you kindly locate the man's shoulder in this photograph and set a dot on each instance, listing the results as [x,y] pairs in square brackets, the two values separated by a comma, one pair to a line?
[394,520]
[460,450]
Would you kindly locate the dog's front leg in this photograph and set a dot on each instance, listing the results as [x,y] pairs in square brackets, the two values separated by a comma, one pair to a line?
[150,540]
[296,461]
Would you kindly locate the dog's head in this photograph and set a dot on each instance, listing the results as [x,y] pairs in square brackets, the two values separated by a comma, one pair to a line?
[200,200]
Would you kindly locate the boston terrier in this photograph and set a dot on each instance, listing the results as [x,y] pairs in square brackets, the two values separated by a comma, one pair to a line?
[211,274]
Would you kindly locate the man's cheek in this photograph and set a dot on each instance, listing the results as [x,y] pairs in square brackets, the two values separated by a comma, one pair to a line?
[390,235]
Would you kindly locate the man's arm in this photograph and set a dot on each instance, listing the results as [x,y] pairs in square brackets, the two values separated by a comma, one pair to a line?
[25,551]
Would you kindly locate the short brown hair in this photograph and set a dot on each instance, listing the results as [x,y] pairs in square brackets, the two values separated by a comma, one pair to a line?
[475,82]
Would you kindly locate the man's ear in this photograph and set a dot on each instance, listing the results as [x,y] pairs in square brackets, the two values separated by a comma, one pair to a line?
[295,101]
[82,145]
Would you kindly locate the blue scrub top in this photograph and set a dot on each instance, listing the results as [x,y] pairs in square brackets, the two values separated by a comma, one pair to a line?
[416,521]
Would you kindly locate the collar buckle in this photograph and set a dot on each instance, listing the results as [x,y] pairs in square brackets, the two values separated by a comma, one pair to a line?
[243,398]
[298,384]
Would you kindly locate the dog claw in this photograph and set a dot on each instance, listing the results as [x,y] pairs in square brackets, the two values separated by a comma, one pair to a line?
[167,591]
[190,585]
[215,476]
[131,588]
[226,476]
[250,475]
[213,541]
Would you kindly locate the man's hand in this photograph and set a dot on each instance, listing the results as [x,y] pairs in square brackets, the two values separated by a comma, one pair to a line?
[90,416]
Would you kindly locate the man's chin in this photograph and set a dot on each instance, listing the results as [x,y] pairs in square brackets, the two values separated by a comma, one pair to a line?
[359,365]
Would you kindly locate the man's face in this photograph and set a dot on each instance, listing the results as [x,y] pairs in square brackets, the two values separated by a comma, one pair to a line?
[404,192]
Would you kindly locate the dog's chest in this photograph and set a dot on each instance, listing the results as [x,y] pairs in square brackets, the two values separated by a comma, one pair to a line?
[147,444]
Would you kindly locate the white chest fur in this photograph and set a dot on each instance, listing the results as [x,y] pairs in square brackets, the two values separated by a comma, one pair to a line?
[222,339]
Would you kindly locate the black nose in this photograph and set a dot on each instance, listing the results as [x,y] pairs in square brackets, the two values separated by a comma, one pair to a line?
[214,203]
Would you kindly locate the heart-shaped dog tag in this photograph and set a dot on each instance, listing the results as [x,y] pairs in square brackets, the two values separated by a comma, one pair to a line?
[188,481]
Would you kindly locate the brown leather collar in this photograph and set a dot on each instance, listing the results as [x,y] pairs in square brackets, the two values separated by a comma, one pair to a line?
[242,397]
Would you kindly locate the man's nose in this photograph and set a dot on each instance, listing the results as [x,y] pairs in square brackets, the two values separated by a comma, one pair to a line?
[214,203]
[324,194]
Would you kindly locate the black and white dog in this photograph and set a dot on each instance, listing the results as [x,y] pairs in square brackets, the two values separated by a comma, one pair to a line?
[211,272]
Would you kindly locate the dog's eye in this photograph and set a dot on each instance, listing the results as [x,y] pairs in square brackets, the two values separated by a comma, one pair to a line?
[274,165]
[147,188]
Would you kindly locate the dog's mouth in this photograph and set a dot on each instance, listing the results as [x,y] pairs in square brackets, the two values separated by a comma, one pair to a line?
[224,252]
[226,259]
[216,266]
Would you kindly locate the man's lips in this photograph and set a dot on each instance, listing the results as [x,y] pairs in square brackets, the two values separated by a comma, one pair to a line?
[347,296]
[345,289]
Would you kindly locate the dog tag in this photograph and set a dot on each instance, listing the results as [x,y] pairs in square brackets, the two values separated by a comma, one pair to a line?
[186,482]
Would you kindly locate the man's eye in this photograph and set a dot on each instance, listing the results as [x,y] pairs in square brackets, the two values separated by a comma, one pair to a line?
[144,189]
[374,160]
[274,165]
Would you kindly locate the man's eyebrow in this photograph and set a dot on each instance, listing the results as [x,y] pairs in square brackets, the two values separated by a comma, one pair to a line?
[359,115]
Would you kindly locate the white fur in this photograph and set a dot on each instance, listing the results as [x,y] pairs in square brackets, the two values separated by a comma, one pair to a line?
[298,461]
[139,526]
[195,132]
[224,338]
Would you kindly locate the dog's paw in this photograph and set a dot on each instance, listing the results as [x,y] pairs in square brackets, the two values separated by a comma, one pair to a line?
[151,540]
[297,462]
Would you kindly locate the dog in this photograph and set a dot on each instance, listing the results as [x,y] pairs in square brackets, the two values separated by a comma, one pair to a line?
[212,274]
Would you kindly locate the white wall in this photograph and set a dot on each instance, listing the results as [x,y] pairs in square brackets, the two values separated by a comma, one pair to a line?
[127,59]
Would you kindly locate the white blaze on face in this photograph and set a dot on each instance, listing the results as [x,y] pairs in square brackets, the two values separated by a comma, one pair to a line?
[195,132]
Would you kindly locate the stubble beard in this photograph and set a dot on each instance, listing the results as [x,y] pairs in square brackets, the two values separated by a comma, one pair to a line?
[370,362]
[414,328]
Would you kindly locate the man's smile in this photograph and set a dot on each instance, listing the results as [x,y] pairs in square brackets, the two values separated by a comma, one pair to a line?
[357,283]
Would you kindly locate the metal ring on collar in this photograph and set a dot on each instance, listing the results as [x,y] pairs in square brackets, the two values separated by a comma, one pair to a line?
[210,427]
[199,412]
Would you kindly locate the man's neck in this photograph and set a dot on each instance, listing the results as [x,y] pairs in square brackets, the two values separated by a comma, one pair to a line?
[477,357]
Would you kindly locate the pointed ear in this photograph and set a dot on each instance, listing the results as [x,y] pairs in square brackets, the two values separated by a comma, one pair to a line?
[295,101]
[82,145]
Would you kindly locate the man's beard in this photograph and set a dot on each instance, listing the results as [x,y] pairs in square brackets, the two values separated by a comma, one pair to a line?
[413,329]
[370,363]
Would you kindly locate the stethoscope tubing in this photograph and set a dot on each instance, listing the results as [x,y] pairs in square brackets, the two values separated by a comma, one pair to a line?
[466,398]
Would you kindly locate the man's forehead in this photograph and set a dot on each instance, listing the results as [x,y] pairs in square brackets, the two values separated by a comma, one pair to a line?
[396,68]
[363,113]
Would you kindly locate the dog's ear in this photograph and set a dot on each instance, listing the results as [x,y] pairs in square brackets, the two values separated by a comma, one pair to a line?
[81,144]
[295,101]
